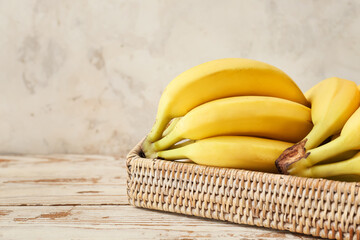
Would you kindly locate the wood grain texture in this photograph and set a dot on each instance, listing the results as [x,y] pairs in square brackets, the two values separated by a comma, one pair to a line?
[114,222]
[84,197]
[62,180]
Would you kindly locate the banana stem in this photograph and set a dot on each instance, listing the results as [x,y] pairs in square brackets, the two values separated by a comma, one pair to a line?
[158,128]
[327,151]
[148,149]
[350,166]
[316,136]
[173,154]
[319,154]
[167,141]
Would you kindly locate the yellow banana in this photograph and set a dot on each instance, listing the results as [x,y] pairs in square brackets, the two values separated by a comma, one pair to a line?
[268,117]
[218,79]
[346,167]
[250,153]
[333,101]
[349,139]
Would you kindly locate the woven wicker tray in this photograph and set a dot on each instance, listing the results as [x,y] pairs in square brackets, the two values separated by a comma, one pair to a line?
[318,207]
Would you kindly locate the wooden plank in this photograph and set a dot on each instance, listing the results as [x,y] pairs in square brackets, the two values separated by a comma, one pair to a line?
[84,197]
[120,222]
[62,180]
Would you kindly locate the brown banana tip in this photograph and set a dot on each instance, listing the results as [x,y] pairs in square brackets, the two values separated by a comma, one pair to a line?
[291,155]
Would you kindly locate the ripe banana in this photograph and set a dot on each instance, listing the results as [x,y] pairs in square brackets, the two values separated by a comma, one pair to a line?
[218,79]
[268,117]
[346,167]
[349,139]
[333,101]
[250,153]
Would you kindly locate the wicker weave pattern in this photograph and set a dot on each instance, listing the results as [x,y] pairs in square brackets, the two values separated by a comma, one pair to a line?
[318,207]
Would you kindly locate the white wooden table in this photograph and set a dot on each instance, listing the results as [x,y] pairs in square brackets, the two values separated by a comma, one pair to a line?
[84,197]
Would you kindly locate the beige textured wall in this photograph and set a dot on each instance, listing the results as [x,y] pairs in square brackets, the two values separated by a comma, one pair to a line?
[85,76]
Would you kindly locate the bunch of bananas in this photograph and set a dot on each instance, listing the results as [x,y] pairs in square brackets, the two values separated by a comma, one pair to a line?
[229,113]
[243,113]
[335,113]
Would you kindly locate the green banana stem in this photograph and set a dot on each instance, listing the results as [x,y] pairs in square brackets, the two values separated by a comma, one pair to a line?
[316,136]
[327,151]
[320,154]
[173,154]
[166,142]
[341,157]
[158,128]
[346,167]
[148,149]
